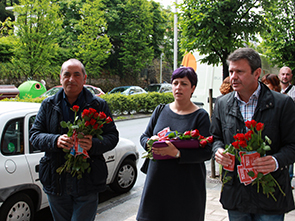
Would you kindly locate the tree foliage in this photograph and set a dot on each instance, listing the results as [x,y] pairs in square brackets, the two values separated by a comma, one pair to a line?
[36,28]
[216,28]
[279,35]
[93,44]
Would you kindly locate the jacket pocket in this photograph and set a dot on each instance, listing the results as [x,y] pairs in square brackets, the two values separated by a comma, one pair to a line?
[98,173]
[45,172]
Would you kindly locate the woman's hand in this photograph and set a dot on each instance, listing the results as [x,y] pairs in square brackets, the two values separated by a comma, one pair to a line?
[170,150]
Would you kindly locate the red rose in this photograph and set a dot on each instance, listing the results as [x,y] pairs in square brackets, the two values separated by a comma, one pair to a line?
[75,108]
[239,136]
[92,110]
[210,139]
[85,112]
[195,133]
[201,137]
[95,115]
[100,126]
[236,145]
[259,126]
[92,121]
[203,142]
[87,123]
[109,120]
[102,115]
[253,123]
[250,124]
[248,135]
[243,143]
[187,133]
[95,126]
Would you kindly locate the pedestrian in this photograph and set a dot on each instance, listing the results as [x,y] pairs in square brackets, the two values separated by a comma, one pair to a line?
[175,189]
[272,82]
[286,76]
[225,87]
[254,100]
[71,198]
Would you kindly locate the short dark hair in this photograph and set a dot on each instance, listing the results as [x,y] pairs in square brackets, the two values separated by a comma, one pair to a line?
[185,72]
[249,54]
[74,60]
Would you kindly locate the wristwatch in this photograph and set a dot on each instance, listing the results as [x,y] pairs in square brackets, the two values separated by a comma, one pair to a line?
[177,155]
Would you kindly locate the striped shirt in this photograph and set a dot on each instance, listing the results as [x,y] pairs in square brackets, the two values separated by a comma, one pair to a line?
[248,109]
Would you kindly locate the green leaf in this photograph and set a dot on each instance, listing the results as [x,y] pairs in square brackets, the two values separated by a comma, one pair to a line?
[251,173]
[63,124]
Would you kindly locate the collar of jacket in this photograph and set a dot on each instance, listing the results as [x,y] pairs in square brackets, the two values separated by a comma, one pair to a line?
[265,101]
[88,96]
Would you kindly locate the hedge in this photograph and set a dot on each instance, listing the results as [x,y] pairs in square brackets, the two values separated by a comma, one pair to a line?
[122,104]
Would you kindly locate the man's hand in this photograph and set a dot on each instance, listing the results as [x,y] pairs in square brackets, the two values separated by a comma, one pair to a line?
[223,158]
[264,164]
[86,142]
[65,142]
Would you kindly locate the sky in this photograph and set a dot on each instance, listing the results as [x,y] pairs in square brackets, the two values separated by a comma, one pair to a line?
[165,3]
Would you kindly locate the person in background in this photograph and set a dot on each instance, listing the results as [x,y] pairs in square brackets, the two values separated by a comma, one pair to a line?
[175,189]
[252,100]
[226,87]
[285,76]
[71,198]
[272,82]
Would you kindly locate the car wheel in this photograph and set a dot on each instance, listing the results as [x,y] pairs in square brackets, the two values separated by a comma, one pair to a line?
[18,207]
[125,177]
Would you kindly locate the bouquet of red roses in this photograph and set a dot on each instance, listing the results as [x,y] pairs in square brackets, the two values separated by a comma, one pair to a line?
[176,138]
[246,148]
[91,123]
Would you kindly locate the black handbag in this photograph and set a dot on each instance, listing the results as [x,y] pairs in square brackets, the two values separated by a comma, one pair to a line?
[146,162]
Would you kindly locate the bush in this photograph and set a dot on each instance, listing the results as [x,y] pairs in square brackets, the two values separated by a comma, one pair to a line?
[122,104]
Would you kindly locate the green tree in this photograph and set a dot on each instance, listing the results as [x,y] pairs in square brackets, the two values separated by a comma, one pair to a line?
[216,28]
[37,27]
[93,44]
[130,29]
[279,36]
[136,51]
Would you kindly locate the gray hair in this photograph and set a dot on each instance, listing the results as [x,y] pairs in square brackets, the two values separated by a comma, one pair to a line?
[74,60]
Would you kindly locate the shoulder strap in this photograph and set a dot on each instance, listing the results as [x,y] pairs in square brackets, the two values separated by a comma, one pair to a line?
[288,89]
[159,110]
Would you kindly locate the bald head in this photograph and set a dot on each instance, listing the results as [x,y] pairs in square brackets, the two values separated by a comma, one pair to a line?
[285,76]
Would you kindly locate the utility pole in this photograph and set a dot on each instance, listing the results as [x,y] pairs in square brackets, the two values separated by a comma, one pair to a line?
[175,37]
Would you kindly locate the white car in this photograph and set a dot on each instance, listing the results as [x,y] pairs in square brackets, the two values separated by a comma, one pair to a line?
[21,193]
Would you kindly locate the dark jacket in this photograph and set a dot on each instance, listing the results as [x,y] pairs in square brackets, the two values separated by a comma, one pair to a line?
[277,112]
[44,134]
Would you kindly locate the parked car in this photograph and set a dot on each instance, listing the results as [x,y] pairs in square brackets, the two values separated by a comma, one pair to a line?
[128,90]
[161,87]
[52,91]
[21,193]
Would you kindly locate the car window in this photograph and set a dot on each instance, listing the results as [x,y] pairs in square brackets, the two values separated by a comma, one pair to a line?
[91,90]
[12,140]
[31,147]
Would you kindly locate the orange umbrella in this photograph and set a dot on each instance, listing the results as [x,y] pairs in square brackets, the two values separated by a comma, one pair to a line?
[189,60]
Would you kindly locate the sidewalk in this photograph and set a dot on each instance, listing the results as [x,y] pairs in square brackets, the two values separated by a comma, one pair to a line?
[125,209]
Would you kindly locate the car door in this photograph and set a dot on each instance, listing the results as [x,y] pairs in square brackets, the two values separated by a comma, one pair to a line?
[33,156]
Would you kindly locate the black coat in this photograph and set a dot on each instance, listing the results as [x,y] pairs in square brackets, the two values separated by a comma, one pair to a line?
[44,134]
[277,112]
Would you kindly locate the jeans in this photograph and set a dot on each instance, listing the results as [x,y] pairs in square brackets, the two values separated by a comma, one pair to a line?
[67,207]
[239,216]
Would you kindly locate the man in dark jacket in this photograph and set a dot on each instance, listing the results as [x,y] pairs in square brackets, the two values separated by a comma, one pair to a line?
[253,100]
[71,198]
